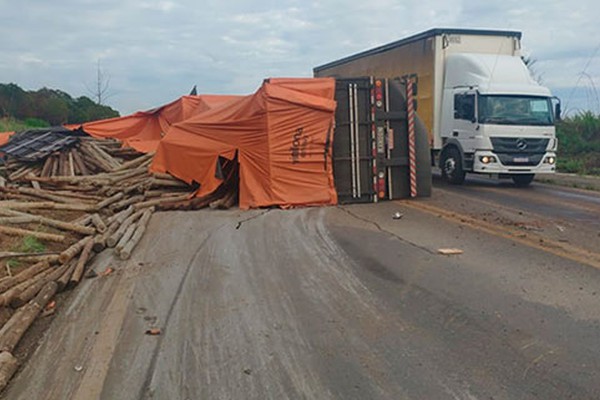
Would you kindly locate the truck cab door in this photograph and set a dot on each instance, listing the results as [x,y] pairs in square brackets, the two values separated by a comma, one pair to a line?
[465,126]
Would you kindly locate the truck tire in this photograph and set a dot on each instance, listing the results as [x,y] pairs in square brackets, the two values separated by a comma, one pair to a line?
[451,166]
[522,180]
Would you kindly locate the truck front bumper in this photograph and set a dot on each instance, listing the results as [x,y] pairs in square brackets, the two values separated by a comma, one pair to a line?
[518,165]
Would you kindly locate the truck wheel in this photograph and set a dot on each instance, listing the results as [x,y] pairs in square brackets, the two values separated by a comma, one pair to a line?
[522,179]
[451,166]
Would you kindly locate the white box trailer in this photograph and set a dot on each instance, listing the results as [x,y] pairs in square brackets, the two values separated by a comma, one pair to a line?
[483,111]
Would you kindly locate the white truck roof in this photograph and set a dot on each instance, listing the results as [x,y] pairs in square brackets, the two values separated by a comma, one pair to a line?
[491,74]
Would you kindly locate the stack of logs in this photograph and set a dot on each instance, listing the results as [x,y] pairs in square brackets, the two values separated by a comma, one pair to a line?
[88,157]
[113,197]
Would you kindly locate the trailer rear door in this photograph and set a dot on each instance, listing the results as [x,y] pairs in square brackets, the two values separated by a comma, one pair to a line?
[370,149]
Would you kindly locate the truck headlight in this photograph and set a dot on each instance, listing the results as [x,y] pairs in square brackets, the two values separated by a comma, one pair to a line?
[487,159]
[550,160]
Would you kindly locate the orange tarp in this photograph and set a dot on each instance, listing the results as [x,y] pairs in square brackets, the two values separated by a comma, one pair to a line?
[4,136]
[282,138]
[144,129]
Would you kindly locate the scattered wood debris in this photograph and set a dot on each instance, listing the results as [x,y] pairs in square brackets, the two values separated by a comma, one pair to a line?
[78,196]
[153,332]
[450,251]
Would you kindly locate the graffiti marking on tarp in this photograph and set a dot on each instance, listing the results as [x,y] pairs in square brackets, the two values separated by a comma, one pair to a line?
[299,145]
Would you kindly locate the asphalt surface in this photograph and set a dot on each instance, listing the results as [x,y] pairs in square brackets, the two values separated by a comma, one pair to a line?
[340,303]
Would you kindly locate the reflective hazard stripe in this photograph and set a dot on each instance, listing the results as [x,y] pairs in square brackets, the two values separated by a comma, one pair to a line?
[412,158]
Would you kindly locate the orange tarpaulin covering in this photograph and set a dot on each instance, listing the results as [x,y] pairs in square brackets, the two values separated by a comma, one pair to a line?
[144,129]
[282,138]
[4,136]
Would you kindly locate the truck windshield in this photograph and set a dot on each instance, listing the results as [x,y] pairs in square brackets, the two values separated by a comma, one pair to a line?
[515,110]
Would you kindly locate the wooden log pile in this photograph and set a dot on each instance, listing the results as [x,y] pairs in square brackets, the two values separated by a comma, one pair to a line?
[88,157]
[93,197]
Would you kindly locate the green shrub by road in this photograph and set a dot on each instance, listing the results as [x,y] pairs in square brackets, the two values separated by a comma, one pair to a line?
[579,144]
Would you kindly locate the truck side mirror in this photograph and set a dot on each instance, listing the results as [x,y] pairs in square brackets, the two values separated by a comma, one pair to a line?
[557,111]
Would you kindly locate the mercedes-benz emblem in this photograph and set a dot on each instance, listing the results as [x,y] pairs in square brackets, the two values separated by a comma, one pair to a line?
[521,144]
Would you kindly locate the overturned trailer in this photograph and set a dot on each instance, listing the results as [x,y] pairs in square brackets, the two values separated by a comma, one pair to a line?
[380,149]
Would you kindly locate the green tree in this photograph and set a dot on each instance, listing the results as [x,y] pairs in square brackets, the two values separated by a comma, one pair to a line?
[51,105]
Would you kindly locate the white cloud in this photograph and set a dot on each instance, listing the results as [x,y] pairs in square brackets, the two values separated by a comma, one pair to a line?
[164,6]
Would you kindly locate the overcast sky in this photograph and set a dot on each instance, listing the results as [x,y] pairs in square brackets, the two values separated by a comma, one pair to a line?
[156,51]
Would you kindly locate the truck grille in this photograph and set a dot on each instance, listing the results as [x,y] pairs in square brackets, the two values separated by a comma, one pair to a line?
[519,145]
[519,151]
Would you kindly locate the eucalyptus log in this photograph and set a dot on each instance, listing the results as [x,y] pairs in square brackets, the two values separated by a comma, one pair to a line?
[5,314]
[114,238]
[113,162]
[158,201]
[16,220]
[137,236]
[47,168]
[73,250]
[43,194]
[25,232]
[52,222]
[120,216]
[86,197]
[10,281]
[80,266]
[90,156]
[79,163]
[12,332]
[63,281]
[98,223]
[31,291]
[135,162]
[15,254]
[8,367]
[50,258]
[20,173]
[156,182]
[45,205]
[109,201]
[99,242]
[71,163]
[130,174]
[127,202]
[10,294]
[125,238]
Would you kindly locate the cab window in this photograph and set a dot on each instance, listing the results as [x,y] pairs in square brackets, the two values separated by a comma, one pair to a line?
[464,106]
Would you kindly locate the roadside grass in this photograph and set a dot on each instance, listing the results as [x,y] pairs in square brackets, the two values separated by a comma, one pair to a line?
[29,244]
[11,124]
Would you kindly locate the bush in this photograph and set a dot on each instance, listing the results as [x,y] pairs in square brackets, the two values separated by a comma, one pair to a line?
[36,123]
[579,144]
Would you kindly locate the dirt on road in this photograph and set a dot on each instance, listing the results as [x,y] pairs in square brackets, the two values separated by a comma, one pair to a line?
[330,303]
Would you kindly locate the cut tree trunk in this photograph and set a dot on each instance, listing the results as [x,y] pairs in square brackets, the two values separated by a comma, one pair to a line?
[25,232]
[8,367]
[137,236]
[113,239]
[17,325]
[30,292]
[80,266]
[10,281]
[73,250]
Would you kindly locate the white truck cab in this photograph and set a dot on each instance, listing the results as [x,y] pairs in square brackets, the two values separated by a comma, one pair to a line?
[495,119]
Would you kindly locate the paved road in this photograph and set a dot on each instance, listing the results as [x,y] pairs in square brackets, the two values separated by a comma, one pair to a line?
[562,214]
[329,303]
